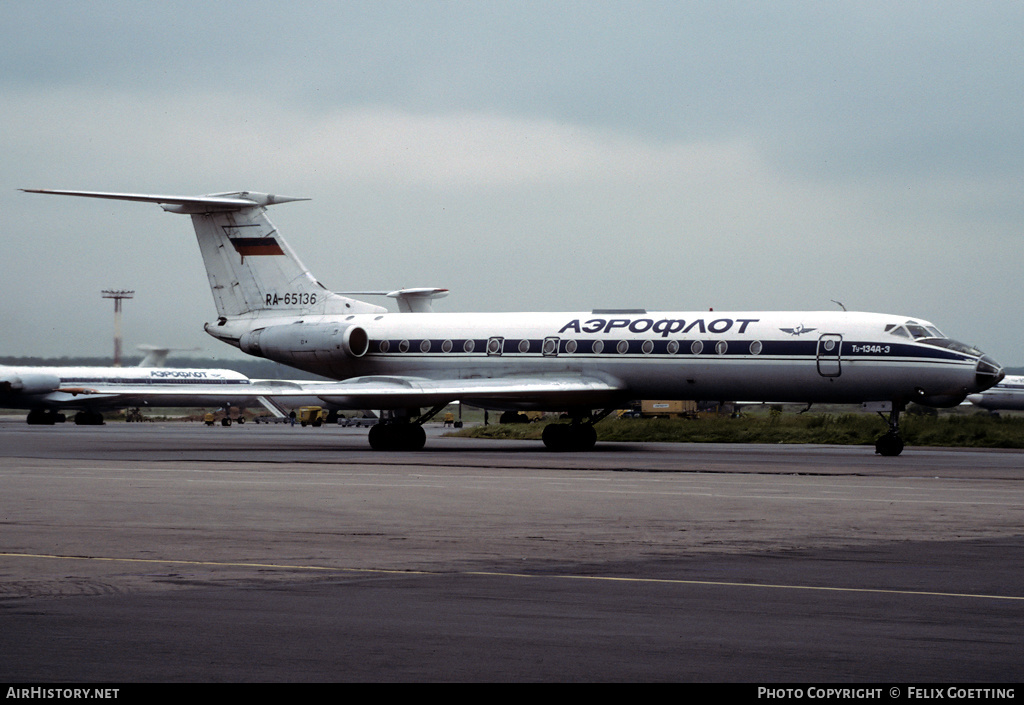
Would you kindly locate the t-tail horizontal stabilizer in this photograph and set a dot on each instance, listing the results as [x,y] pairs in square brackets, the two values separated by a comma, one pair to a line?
[187,205]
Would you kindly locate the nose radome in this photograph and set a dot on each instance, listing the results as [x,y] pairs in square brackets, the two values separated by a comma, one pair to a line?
[988,373]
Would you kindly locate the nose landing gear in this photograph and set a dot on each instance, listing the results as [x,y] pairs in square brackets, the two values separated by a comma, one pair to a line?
[891,442]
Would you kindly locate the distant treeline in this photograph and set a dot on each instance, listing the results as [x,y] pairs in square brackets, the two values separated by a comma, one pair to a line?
[254,367]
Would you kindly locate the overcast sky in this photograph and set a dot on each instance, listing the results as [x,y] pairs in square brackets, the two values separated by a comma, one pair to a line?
[525,155]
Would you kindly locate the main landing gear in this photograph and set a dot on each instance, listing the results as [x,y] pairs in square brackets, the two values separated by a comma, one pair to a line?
[89,418]
[402,430]
[397,435]
[48,417]
[891,443]
[578,435]
[44,417]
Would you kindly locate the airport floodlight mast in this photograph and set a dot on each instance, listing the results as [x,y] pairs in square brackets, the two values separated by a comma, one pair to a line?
[117,295]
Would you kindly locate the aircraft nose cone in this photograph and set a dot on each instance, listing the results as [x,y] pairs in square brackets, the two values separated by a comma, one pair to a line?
[987,373]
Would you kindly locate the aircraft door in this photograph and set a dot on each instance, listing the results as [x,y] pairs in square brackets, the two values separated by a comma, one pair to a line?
[830,354]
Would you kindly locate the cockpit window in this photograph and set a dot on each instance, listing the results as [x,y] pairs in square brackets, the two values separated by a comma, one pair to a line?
[930,335]
[915,330]
[954,345]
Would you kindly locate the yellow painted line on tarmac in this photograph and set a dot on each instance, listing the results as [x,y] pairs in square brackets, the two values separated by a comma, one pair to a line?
[722,583]
[499,574]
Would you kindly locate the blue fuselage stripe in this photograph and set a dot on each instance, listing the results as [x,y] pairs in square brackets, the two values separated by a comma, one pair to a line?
[710,347]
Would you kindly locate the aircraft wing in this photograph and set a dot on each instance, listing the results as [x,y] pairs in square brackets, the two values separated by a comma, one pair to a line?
[373,392]
[511,392]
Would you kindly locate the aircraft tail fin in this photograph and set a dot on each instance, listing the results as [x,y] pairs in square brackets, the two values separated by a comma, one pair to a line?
[250,267]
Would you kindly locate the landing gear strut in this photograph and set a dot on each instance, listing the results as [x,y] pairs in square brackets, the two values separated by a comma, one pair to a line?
[891,443]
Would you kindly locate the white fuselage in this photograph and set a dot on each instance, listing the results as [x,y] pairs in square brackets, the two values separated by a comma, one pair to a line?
[117,387]
[802,356]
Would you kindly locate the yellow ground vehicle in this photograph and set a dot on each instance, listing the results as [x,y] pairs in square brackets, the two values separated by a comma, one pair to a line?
[675,409]
[311,415]
[663,409]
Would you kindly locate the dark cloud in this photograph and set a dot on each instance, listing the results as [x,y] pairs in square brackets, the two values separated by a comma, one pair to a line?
[669,154]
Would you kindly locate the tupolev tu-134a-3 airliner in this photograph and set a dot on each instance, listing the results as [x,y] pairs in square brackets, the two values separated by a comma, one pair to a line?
[586,364]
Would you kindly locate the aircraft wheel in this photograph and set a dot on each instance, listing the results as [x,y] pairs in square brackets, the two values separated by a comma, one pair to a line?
[382,438]
[413,437]
[565,437]
[555,436]
[586,437]
[378,440]
[88,418]
[889,445]
[40,417]
[402,437]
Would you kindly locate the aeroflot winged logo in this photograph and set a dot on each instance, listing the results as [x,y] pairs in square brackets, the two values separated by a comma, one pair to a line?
[799,330]
[256,246]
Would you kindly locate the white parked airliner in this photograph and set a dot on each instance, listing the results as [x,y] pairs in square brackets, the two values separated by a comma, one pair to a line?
[585,363]
[47,391]
[1008,395]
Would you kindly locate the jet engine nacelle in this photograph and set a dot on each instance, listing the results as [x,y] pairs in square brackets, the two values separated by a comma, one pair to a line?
[303,342]
[31,383]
